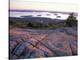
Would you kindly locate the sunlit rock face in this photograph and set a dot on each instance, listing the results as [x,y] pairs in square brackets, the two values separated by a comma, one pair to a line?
[32,43]
[36,43]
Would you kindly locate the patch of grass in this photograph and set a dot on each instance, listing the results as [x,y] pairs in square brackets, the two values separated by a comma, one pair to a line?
[23,24]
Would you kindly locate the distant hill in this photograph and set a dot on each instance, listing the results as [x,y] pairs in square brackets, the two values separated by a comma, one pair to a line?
[44,11]
[37,20]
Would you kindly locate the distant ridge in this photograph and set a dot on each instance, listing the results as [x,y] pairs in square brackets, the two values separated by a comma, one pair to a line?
[43,11]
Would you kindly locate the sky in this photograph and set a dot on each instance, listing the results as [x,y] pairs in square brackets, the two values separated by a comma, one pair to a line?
[36,5]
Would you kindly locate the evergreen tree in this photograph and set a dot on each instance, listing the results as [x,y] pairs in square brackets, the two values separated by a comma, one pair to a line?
[71,20]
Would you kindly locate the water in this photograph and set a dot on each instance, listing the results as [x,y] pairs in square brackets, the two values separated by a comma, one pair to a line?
[39,14]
